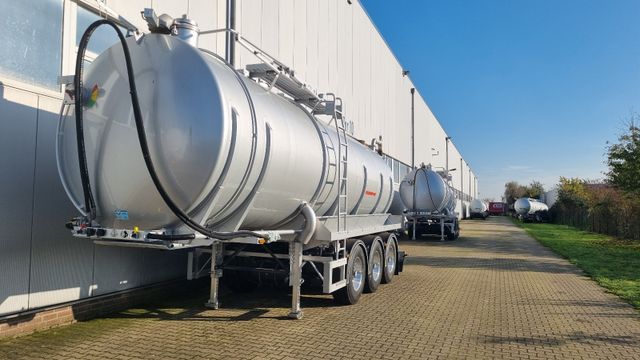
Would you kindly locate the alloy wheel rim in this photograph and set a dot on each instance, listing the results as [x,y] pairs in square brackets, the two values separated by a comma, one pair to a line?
[358,274]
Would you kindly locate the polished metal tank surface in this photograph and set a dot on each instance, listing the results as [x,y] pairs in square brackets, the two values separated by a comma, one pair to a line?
[524,206]
[230,152]
[423,189]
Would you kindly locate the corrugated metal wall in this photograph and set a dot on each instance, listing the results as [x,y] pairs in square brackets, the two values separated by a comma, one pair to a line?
[40,263]
[333,46]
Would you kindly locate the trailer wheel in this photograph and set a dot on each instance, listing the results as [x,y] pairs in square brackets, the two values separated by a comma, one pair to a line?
[390,260]
[376,266]
[356,278]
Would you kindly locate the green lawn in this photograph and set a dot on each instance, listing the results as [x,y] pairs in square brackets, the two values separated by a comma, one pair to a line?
[613,263]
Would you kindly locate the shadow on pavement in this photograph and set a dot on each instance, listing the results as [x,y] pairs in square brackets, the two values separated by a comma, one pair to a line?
[234,306]
[559,340]
[503,264]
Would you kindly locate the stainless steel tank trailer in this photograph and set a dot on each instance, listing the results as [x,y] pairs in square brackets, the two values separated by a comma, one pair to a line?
[478,209]
[430,203]
[528,209]
[172,148]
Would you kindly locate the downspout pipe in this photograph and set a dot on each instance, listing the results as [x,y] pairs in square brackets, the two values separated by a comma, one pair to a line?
[230,45]
[470,180]
[461,180]
[413,130]
[446,153]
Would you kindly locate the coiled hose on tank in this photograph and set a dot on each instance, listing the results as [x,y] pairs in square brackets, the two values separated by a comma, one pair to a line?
[90,204]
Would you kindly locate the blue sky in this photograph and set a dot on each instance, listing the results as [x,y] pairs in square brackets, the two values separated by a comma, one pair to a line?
[529,90]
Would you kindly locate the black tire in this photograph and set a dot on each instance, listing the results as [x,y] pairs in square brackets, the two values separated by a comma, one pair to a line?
[356,278]
[410,230]
[375,266]
[390,260]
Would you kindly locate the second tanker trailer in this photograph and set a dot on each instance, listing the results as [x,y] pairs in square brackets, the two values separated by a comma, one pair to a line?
[172,148]
[430,203]
[478,209]
[528,209]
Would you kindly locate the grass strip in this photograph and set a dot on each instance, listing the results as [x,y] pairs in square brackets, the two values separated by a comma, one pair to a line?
[613,263]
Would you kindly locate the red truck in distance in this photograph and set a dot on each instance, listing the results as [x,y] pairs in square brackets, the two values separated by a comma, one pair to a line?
[497,208]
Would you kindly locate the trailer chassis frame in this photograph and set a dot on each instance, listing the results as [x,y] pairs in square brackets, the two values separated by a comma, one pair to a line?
[445,220]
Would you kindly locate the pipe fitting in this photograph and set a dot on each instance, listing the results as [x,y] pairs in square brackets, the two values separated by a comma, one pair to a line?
[310,223]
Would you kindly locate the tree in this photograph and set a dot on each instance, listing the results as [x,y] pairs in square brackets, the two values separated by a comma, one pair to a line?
[623,159]
[535,189]
[573,191]
[514,191]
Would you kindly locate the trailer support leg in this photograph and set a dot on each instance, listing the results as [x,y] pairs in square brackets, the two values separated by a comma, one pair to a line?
[414,229]
[216,274]
[441,229]
[295,278]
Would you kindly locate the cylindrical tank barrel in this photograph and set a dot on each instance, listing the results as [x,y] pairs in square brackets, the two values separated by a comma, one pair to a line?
[230,152]
[524,206]
[423,189]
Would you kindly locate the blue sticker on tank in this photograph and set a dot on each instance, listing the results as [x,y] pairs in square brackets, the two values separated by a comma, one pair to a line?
[121,214]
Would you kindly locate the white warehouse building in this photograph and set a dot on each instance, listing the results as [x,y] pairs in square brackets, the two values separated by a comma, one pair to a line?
[333,47]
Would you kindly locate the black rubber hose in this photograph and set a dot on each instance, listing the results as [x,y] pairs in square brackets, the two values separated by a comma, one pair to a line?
[142,139]
[89,202]
[171,237]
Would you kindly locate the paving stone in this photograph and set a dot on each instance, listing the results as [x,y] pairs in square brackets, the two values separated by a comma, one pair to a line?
[493,293]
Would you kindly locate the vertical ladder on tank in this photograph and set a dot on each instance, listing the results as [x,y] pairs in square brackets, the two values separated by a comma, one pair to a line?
[331,105]
[343,164]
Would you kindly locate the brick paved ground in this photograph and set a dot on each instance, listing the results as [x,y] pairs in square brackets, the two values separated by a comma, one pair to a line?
[494,293]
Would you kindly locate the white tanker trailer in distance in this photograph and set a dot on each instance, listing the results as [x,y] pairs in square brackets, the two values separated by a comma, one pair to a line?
[430,203]
[531,209]
[211,158]
[478,209]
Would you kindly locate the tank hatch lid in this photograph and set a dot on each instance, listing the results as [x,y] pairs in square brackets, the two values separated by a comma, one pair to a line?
[286,82]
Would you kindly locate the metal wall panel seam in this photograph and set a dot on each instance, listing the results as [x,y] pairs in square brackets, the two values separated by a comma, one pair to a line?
[33,202]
